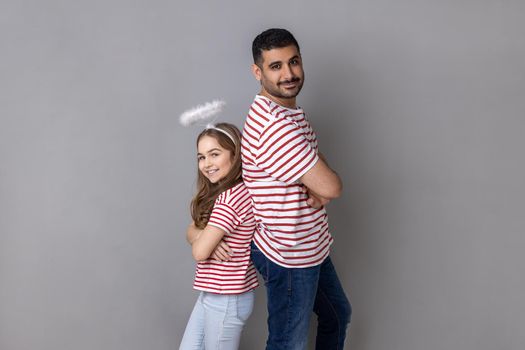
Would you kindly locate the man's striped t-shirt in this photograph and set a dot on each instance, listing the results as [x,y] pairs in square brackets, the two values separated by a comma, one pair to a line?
[232,213]
[278,147]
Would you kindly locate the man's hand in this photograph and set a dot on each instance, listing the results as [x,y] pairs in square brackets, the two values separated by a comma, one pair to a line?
[314,200]
[322,181]
[222,252]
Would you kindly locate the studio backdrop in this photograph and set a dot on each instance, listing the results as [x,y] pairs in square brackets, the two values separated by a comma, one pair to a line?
[418,105]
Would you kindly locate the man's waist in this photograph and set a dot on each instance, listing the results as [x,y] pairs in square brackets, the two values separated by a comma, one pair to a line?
[292,237]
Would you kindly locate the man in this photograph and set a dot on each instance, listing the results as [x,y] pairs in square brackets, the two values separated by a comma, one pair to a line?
[290,182]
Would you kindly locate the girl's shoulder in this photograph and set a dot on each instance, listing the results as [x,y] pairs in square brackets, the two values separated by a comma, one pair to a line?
[235,194]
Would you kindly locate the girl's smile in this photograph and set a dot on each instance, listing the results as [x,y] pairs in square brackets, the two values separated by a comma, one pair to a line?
[215,162]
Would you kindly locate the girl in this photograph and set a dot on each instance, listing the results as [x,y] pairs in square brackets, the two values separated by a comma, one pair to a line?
[220,236]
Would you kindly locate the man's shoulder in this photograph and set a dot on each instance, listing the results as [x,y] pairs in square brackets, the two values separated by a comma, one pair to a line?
[260,110]
[265,113]
[264,107]
[262,102]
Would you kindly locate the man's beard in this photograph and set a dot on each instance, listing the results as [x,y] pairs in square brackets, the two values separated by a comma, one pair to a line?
[279,93]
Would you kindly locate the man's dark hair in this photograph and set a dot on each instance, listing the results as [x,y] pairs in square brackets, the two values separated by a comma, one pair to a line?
[271,39]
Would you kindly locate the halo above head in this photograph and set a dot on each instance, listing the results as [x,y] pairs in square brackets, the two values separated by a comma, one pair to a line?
[205,113]
[202,113]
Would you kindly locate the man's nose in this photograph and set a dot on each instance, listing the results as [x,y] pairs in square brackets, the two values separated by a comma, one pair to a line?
[287,72]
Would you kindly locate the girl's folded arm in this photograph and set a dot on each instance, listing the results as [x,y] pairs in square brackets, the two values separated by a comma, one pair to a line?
[203,242]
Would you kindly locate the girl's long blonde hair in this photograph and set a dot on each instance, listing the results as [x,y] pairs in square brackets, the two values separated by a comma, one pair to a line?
[207,192]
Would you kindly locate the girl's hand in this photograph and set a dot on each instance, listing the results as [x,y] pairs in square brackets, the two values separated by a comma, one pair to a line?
[222,252]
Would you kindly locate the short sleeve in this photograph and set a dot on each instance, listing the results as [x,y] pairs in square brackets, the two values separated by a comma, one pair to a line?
[284,151]
[224,217]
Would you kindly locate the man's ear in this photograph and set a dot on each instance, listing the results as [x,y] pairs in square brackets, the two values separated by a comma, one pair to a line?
[256,72]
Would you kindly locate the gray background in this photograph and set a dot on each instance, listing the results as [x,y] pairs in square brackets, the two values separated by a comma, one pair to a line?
[419,105]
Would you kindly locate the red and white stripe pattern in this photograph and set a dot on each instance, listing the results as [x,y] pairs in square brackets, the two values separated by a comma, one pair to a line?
[232,213]
[278,147]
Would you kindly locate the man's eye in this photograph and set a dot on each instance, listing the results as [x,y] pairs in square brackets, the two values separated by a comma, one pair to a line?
[277,66]
[294,61]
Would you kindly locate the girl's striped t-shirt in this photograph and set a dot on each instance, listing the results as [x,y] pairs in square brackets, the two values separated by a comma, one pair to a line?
[232,213]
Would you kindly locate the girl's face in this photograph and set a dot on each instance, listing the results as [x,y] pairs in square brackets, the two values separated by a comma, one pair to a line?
[215,161]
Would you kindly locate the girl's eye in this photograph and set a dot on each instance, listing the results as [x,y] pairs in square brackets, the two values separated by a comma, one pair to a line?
[199,158]
[215,155]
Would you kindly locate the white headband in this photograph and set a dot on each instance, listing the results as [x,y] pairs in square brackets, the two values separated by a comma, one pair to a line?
[211,126]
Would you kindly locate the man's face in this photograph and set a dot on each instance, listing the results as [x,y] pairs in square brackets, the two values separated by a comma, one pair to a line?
[281,73]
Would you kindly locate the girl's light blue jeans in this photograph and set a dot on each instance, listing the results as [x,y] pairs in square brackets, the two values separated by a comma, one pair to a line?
[216,321]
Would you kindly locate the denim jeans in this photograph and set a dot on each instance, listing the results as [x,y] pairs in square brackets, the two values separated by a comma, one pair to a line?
[216,321]
[293,293]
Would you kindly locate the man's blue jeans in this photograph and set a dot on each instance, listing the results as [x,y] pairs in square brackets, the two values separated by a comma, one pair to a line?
[293,293]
